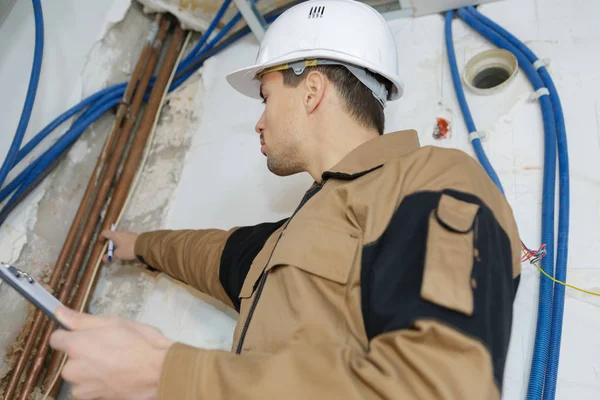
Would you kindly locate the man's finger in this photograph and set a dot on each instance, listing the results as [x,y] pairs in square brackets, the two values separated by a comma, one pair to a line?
[108,234]
[78,321]
[59,340]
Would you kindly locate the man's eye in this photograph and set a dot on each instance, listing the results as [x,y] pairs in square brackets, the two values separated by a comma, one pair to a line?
[264,100]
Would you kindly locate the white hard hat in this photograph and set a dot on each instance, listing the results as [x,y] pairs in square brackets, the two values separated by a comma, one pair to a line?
[316,32]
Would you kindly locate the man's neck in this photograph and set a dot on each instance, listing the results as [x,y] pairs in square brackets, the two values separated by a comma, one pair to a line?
[335,143]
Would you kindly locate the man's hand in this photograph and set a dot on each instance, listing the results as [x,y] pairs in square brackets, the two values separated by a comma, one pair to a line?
[110,357]
[124,244]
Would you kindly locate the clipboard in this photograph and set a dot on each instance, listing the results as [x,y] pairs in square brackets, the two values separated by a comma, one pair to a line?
[35,293]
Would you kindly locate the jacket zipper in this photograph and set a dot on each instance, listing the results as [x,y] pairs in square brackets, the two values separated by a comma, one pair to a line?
[263,279]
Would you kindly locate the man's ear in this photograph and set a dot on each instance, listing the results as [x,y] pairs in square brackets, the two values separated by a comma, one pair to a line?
[315,84]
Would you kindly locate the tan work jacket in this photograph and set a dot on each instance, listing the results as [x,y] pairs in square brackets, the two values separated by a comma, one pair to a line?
[394,279]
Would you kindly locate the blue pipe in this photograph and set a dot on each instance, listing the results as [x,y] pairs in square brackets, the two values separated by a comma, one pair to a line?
[58,148]
[563,210]
[79,126]
[544,318]
[17,181]
[34,79]
[118,90]
[105,103]
[31,174]
[205,35]
[179,80]
[198,61]
[103,100]
[236,18]
[25,150]
[181,75]
[464,107]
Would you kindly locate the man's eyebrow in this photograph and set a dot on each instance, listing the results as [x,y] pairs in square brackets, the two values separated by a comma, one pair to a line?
[261,91]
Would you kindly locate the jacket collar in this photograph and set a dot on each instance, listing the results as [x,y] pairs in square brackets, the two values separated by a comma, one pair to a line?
[372,154]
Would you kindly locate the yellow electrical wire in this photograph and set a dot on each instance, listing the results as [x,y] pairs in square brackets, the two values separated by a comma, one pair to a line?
[564,283]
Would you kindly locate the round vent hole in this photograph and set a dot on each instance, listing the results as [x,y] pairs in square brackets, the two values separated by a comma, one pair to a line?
[490,78]
[490,71]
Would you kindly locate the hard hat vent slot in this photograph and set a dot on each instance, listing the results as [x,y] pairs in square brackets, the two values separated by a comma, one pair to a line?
[316,12]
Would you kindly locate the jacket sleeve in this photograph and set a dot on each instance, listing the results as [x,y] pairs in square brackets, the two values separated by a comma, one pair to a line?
[213,261]
[191,256]
[429,361]
[437,291]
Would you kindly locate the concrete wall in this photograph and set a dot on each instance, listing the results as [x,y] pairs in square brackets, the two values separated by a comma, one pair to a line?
[32,236]
[206,170]
[71,31]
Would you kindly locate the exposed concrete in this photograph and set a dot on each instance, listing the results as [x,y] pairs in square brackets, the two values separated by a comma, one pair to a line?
[123,286]
[62,192]
[122,289]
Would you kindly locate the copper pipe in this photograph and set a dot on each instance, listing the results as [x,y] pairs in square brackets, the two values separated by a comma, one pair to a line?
[98,204]
[131,164]
[121,191]
[71,239]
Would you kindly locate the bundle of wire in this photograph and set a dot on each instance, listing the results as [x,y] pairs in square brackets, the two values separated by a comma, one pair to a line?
[544,367]
[94,106]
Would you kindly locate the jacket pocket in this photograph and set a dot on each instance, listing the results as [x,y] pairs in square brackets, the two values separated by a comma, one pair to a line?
[449,255]
[320,250]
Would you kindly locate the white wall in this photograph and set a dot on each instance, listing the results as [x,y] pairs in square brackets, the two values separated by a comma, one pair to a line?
[225,182]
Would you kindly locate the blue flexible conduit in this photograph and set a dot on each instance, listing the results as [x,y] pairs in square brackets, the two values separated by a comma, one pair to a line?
[34,79]
[205,36]
[96,104]
[63,143]
[464,107]
[25,150]
[184,76]
[563,210]
[99,103]
[542,341]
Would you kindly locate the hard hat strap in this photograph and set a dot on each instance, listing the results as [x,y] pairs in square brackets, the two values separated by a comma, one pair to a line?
[378,89]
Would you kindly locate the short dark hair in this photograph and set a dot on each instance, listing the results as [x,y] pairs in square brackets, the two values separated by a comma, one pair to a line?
[358,99]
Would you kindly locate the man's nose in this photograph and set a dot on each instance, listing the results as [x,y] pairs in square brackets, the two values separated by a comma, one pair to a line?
[260,125]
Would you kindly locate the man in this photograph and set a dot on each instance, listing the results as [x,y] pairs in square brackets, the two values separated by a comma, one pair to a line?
[393,279]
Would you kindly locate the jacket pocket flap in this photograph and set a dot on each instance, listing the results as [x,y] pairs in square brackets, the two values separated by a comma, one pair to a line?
[317,249]
[311,247]
[456,214]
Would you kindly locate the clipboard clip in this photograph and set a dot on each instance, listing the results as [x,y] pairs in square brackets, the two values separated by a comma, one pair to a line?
[35,293]
[20,274]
